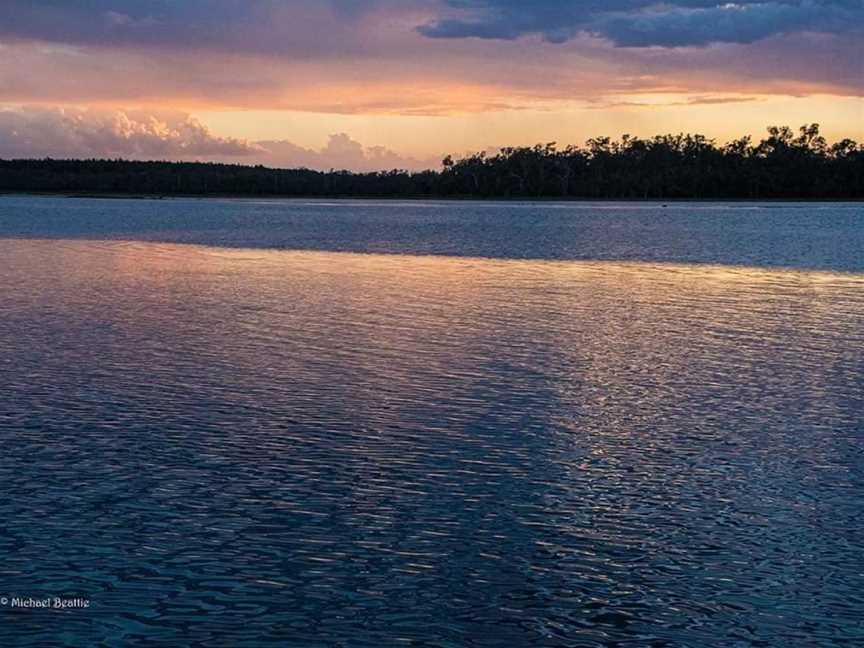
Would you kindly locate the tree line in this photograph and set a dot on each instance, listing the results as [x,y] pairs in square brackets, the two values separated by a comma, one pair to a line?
[784,165]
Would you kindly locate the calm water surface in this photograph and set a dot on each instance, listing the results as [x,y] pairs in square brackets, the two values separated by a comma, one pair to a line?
[236,423]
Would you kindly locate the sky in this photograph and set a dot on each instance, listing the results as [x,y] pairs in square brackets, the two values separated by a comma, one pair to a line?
[379,84]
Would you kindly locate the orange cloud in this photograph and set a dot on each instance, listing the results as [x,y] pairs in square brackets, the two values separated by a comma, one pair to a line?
[35,132]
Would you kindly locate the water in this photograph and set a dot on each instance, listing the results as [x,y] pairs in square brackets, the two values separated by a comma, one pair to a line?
[805,235]
[558,443]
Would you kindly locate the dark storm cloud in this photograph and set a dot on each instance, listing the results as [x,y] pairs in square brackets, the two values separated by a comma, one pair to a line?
[254,26]
[325,27]
[645,23]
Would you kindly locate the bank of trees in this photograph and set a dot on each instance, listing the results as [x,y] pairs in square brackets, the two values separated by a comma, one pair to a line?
[785,164]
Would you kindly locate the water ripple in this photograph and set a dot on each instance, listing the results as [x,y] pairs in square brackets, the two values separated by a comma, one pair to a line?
[249,448]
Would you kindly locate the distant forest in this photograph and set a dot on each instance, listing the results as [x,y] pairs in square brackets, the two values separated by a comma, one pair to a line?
[783,165]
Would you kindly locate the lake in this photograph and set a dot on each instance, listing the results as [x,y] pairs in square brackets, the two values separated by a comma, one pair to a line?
[371,424]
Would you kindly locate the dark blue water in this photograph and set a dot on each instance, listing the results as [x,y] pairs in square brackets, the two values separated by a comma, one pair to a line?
[807,235]
[623,426]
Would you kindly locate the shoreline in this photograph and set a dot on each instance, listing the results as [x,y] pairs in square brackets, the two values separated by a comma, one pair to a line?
[414,198]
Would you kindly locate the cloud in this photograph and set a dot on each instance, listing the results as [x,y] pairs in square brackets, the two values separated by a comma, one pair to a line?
[728,23]
[605,104]
[647,23]
[340,152]
[34,132]
[63,132]
[452,78]
[367,57]
[323,28]
[334,28]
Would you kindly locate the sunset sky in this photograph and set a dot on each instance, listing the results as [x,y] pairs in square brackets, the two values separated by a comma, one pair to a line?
[367,84]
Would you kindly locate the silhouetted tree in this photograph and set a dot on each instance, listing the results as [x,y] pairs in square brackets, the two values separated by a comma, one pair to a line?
[781,165]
